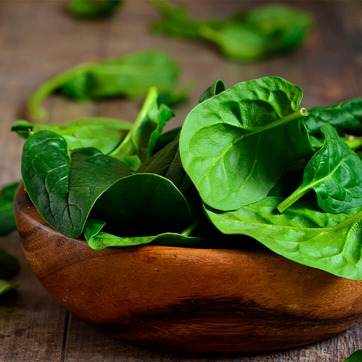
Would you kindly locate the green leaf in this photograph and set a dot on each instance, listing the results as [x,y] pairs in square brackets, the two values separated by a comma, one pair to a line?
[346,117]
[105,134]
[236,145]
[331,242]
[213,90]
[143,204]
[62,186]
[334,173]
[355,357]
[92,9]
[99,240]
[139,143]
[6,286]
[9,266]
[7,218]
[129,76]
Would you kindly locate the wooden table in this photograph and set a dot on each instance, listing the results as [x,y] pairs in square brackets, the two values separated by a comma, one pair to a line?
[38,39]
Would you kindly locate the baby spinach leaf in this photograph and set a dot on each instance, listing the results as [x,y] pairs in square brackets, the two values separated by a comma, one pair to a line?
[99,240]
[7,218]
[129,76]
[9,266]
[334,173]
[331,242]
[6,286]
[143,204]
[62,186]
[105,134]
[346,117]
[236,145]
[213,90]
[139,143]
[355,357]
[92,9]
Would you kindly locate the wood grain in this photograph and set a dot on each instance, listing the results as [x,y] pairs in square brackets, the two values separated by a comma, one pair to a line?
[190,300]
[37,39]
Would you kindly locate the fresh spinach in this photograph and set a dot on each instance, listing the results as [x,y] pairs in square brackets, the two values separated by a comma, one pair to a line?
[140,141]
[355,357]
[229,137]
[331,242]
[7,218]
[157,199]
[213,90]
[334,173]
[346,117]
[129,76]
[105,134]
[92,9]
[246,36]
[99,240]
[62,186]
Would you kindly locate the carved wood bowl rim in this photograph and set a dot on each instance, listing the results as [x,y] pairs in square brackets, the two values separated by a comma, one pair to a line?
[189,300]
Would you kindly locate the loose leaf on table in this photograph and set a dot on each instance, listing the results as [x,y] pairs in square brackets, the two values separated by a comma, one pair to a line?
[213,90]
[236,145]
[143,204]
[6,286]
[92,9]
[9,266]
[355,357]
[105,134]
[7,218]
[62,186]
[139,143]
[331,242]
[334,173]
[98,239]
[346,117]
[131,75]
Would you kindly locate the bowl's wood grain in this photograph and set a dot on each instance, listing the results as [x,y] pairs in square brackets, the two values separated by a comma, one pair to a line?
[182,299]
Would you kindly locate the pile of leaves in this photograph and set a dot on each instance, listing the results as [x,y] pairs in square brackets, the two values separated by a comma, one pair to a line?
[249,168]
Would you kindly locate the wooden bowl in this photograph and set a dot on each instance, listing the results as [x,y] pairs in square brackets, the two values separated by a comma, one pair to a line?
[189,300]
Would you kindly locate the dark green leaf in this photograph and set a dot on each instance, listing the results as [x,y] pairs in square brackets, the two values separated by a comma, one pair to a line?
[99,240]
[129,76]
[346,117]
[6,286]
[9,266]
[139,143]
[143,204]
[334,173]
[65,187]
[213,90]
[166,138]
[236,145]
[105,134]
[92,9]
[331,242]
[355,357]
[7,218]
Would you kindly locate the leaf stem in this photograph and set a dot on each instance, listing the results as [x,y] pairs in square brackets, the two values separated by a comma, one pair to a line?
[290,200]
[189,230]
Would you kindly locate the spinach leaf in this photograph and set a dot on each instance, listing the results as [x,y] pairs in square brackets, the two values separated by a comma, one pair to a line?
[334,173]
[331,242]
[346,117]
[9,266]
[236,145]
[213,90]
[105,134]
[65,187]
[6,286]
[92,9]
[166,138]
[7,218]
[355,357]
[129,76]
[139,143]
[99,240]
[143,204]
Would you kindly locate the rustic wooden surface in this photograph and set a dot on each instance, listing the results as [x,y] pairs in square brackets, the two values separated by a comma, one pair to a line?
[37,40]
